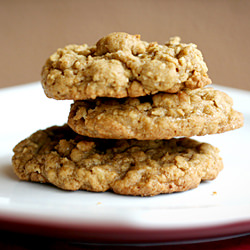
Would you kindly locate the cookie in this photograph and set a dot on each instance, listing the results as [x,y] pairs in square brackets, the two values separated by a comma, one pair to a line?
[161,116]
[61,157]
[121,65]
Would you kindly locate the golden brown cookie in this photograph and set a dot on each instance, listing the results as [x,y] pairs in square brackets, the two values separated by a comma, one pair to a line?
[161,116]
[59,156]
[121,65]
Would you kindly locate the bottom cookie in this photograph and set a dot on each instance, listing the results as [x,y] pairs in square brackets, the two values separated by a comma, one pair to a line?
[59,156]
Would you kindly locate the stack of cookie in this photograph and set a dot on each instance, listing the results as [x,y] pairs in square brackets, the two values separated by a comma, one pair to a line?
[131,100]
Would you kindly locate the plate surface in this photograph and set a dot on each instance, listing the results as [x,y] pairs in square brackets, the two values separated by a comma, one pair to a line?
[220,208]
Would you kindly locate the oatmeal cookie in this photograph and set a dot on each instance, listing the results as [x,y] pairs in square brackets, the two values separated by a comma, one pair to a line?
[69,161]
[121,65]
[161,116]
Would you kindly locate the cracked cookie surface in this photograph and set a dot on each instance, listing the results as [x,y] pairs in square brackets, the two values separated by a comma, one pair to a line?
[61,157]
[121,65]
[161,116]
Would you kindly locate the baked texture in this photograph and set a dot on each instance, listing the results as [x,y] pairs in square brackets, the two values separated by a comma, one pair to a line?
[121,65]
[61,157]
[161,116]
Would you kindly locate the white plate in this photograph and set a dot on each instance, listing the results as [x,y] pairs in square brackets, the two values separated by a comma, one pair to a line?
[215,209]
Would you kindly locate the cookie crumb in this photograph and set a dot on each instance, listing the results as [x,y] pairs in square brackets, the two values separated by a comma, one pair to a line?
[98,203]
[214,193]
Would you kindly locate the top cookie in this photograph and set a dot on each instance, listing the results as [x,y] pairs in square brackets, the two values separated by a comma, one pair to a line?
[121,65]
